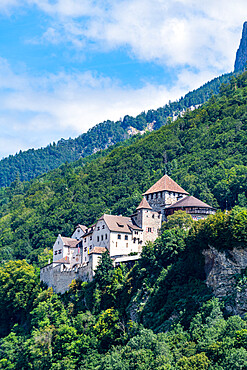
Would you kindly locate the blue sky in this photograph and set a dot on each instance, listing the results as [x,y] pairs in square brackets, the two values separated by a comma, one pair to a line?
[67,65]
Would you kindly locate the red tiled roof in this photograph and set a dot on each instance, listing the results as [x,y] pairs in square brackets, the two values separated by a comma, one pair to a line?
[189,201]
[69,242]
[98,250]
[165,183]
[144,204]
[119,223]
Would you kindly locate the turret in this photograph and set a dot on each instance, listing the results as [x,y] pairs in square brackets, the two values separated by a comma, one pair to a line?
[148,220]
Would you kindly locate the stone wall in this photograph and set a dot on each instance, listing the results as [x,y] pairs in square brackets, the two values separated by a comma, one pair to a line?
[151,225]
[226,274]
[158,201]
[59,277]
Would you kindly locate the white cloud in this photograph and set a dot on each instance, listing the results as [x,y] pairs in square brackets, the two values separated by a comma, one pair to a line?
[174,32]
[201,34]
[40,110]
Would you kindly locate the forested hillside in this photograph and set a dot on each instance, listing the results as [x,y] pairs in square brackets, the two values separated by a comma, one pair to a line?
[205,151]
[32,163]
[158,315]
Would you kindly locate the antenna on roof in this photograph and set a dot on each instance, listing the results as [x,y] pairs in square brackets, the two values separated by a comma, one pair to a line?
[164,155]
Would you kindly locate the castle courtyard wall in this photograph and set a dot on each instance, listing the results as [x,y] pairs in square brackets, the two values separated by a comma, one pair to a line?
[60,277]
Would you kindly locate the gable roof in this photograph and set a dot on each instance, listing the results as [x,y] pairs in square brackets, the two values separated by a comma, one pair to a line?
[119,223]
[165,183]
[69,242]
[89,230]
[144,204]
[82,227]
[189,201]
[98,250]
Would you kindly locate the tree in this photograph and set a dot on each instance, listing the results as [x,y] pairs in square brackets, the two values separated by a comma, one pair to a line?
[108,329]
[197,362]
[179,219]
[19,285]
[104,271]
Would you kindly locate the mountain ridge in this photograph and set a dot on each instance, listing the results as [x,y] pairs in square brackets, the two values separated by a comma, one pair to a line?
[241,55]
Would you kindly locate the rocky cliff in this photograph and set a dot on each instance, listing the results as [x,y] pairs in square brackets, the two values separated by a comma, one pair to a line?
[226,275]
[241,56]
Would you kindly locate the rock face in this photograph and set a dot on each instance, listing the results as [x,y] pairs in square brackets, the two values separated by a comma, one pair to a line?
[241,56]
[226,274]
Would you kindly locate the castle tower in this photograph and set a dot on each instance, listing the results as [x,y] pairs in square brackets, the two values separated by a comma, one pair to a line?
[164,193]
[148,220]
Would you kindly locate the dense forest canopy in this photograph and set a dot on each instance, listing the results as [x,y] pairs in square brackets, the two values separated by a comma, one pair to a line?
[32,163]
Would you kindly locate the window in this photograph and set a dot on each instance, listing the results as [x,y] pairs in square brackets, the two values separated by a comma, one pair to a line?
[103,226]
[136,232]
[60,251]
[98,228]
[149,229]
[55,253]
[134,240]
[119,236]
[153,216]
[97,238]
[91,237]
[85,249]
[126,237]
[85,240]
[105,236]
[102,237]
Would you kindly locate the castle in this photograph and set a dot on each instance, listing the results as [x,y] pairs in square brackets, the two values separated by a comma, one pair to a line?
[78,256]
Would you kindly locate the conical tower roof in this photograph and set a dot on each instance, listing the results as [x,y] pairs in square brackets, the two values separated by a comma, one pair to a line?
[165,184]
[144,204]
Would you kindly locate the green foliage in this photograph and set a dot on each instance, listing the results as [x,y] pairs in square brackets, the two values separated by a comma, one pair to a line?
[19,285]
[179,219]
[91,326]
[108,329]
[196,362]
[160,313]
[224,230]
[204,151]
